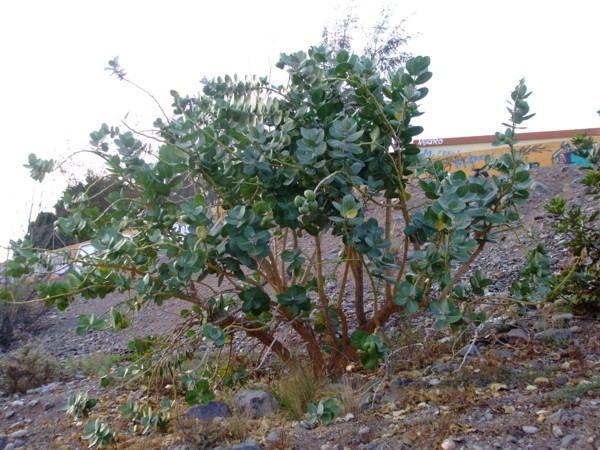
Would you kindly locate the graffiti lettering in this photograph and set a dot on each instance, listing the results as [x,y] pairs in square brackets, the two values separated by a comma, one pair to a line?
[437,141]
[464,162]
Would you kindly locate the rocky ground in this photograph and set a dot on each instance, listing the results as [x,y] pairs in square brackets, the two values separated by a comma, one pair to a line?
[531,381]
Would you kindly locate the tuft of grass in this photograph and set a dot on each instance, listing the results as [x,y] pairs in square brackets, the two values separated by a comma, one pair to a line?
[27,368]
[97,364]
[568,395]
[297,388]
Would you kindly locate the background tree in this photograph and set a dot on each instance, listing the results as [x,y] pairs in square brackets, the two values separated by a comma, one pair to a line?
[384,40]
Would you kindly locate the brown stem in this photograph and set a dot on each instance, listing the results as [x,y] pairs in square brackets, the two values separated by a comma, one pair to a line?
[340,308]
[321,292]
[388,232]
[263,336]
[463,269]
[357,274]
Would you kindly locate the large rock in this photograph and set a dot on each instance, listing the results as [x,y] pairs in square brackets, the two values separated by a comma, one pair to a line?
[255,403]
[209,411]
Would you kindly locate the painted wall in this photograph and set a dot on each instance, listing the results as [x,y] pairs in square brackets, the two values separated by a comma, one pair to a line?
[537,149]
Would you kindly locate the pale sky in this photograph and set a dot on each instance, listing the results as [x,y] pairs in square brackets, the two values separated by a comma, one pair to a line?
[54,91]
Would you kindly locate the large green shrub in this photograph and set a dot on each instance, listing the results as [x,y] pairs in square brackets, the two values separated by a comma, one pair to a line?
[291,166]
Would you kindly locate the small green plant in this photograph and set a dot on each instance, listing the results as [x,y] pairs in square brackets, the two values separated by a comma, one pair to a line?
[579,284]
[78,404]
[98,434]
[145,418]
[323,412]
[27,368]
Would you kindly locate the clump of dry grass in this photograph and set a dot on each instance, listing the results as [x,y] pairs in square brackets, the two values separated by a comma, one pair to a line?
[298,387]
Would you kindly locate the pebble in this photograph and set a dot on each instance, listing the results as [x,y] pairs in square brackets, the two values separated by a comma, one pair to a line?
[273,437]
[561,380]
[19,433]
[557,431]
[348,417]
[568,440]
[434,382]
[448,444]
[17,404]
[364,430]
[489,416]
[555,334]
[530,430]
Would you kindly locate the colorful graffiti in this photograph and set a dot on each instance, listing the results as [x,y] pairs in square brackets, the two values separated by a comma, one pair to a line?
[568,154]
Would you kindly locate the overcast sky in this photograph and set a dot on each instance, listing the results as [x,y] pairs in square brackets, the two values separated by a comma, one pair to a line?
[54,91]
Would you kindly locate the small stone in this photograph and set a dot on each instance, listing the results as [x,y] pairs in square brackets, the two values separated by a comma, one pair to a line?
[399,381]
[554,418]
[554,334]
[530,430]
[364,430]
[497,444]
[568,440]
[439,366]
[19,433]
[562,318]
[307,425]
[561,380]
[33,403]
[448,444]
[512,439]
[348,417]
[10,413]
[17,404]
[10,446]
[434,382]
[557,431]
[505,353]
[273,437]
[246,446]
[488,416]
[138,394]
[517,334]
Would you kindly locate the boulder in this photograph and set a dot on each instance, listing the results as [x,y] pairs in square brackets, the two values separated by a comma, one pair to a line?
[209,411]
[255,403]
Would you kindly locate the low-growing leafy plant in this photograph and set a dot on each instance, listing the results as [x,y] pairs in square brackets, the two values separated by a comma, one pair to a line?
[324,412]
[98,434]
[145,418]
[579,284]
[78,404]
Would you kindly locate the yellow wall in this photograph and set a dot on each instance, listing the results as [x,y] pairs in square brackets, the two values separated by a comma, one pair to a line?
[466,157]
